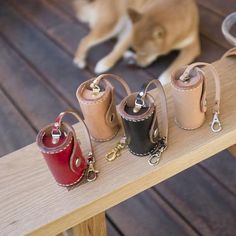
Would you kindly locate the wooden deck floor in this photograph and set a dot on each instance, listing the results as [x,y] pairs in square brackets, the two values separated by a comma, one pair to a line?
[38,80]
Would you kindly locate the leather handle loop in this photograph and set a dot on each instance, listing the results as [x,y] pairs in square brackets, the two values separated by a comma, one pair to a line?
[230,52]
[185,76]
[112,76]
[164,114]
[57,125]
[111,118]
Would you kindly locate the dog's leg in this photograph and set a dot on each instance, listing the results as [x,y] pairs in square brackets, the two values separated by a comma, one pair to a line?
[100,33]
[186,56]
[124,42]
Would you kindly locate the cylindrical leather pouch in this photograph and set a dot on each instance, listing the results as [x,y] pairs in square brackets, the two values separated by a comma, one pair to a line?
[97,101]
[61,151]
[189,97]
[138,111]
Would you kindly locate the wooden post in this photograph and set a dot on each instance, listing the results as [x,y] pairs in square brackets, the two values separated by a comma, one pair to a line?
[95,226]
[232,150]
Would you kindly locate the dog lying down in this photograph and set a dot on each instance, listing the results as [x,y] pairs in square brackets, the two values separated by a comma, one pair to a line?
[150,27]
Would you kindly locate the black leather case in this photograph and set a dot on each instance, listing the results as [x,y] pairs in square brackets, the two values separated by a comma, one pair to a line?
[137,132]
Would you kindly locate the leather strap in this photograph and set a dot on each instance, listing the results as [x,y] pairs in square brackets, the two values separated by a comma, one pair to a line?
[230,52]
[97,80]
[185,77]
[140,100]
[56,130]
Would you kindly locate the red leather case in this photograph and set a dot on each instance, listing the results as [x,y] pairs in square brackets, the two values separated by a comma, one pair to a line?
[62,152]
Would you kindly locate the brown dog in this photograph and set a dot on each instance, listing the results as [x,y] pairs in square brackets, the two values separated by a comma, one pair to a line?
[150,27]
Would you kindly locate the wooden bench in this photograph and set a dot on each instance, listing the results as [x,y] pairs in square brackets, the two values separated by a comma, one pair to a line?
[32,203]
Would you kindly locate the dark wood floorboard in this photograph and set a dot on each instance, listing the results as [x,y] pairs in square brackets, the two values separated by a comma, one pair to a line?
[11,125]
[29,93]
[220,7]
[38,39]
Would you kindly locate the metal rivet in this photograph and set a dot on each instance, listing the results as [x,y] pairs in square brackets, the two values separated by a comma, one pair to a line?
[155,134]
[77,162]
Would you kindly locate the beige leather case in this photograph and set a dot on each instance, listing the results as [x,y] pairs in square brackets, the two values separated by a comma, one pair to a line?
[189,99]
[99,110]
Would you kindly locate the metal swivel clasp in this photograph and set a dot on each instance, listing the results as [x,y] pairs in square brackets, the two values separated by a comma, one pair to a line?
[92,173]
[215,124]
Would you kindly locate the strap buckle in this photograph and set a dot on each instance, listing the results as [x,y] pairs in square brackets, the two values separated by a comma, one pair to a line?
[215,124]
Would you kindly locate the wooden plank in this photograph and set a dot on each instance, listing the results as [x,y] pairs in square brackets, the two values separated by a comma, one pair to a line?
[57,209]
[52,62]
[14,130]
[203,204]
[232,150]
[222,8]
[17,76]
[222,166]
[93,226]
[148,214]
[210,26]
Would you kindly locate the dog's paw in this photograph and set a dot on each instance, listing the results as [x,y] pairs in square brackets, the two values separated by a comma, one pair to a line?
[129,54]
[164,78]
[102,66]
[80,63]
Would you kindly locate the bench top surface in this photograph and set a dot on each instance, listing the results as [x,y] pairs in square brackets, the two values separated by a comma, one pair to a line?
[31,201]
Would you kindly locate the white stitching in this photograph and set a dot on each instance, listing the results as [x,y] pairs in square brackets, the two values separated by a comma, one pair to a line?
[184,90]
[104,140]
[144,154]
[138,119]
[58,150]
[187,128]
[80,178]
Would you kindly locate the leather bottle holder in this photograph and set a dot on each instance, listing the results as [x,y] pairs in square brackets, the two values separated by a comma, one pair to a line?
[189,97]
[139,116]
[62,153]
[97,101]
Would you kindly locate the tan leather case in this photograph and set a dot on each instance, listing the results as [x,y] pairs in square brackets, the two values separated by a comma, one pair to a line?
[99,108]
[189,99]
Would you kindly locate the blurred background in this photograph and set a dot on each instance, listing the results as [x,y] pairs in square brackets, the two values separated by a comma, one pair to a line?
[38,80]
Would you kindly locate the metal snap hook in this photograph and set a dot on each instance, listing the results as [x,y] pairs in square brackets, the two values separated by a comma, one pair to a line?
[154,159]
[56,136]
[215,124]
[91,172]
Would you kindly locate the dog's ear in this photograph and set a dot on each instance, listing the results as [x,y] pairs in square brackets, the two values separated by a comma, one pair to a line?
[134,15]
[158,32]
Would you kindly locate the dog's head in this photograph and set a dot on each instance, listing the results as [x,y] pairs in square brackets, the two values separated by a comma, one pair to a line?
[148,38]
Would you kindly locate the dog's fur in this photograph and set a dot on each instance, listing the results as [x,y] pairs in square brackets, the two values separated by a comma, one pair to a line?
[150,27]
